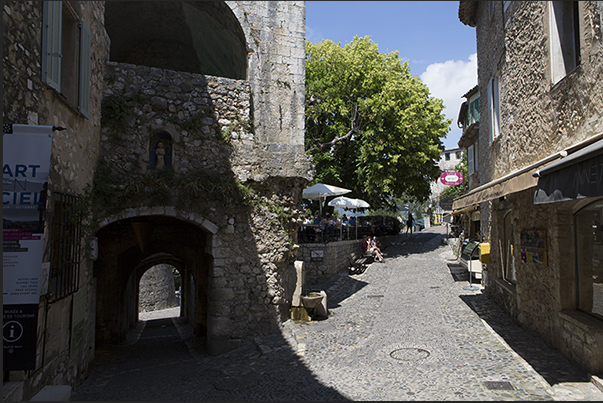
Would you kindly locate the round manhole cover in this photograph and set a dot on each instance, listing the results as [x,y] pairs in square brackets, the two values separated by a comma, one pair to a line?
[409,354]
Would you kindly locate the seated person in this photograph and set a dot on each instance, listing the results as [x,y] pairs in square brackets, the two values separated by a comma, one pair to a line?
[329,226]
[364,244]
[317,219]
[374,249]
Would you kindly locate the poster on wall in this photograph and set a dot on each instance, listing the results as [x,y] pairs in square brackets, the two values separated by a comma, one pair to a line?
[533,247]
[25,167]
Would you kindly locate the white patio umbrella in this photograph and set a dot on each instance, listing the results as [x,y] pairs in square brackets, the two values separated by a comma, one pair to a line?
[349,203]
[321,190]
[344,203]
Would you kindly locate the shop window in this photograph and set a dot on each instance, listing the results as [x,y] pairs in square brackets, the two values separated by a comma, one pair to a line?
[589,259]
[508,248]
[565,38]
[66,54]
[65,240]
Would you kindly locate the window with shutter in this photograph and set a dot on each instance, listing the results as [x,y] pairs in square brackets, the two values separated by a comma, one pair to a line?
[66,64]
[52,22]
[565,38]
[494,99]
[84,84]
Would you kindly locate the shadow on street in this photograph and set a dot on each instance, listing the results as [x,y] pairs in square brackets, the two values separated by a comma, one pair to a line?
[167,362]
[545,360]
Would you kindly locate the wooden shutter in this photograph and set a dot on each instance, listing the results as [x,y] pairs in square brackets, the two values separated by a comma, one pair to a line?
[470,166]
[84,79]
[52,22]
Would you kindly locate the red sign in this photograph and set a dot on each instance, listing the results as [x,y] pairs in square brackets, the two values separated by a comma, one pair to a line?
[451,178]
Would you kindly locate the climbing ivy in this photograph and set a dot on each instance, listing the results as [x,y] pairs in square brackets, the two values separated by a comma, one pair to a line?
[114,114]
[113,193]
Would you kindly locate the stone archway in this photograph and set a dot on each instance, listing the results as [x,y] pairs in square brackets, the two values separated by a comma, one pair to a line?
[129,247]
[193,36]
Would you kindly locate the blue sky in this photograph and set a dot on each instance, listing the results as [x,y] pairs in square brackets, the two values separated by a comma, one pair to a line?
[439,48]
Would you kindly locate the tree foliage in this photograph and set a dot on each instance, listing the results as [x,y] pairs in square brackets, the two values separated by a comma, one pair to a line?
[370,125]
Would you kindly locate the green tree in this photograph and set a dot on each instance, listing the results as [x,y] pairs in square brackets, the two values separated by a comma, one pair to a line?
[370,125]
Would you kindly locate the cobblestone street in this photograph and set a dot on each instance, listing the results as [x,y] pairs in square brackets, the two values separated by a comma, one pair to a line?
[402,330]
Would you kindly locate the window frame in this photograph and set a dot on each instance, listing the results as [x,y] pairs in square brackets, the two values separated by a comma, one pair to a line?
[473,110]
[564,40]
[509,272]
[585,297]
[470,160]
[66,54]
[494,106]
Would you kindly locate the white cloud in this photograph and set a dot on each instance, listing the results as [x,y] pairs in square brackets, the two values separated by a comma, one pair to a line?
[449,81]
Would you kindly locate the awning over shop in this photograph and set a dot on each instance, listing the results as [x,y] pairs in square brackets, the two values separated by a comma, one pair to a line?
[577,176]
[465,210]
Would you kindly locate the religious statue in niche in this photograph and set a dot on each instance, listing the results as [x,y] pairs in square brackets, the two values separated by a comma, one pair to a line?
[160,151]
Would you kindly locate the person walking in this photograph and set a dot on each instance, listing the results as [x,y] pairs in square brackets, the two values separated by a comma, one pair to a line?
[409,223]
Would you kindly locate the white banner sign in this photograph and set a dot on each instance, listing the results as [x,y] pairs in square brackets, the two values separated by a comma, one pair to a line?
[26,163]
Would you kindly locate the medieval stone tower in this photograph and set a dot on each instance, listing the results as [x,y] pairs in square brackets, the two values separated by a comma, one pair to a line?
[182,143]
[201,162]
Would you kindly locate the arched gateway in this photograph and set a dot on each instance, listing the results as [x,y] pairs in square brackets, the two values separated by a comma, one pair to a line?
[128,248]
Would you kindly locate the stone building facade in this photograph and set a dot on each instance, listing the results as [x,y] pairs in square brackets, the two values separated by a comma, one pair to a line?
[191,154]
[540,76]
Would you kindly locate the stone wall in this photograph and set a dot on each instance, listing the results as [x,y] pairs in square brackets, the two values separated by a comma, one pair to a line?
[200,113]
[27,100]
[157,290]
[518,47]
[324,260]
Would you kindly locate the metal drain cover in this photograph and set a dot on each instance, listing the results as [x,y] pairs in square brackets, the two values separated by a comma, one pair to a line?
[498,385]
[409,354]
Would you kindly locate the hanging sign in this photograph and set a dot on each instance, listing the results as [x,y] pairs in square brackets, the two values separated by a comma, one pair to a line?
[26,163]
[451,178]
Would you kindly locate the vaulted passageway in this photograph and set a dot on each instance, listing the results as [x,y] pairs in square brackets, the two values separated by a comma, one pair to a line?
[127,249]
[193,36]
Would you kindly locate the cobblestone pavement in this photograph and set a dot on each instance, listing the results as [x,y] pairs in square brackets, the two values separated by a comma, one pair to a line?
[406,329]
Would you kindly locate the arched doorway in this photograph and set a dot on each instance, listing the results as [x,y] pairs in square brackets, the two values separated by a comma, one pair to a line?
[130,247]
[157,290]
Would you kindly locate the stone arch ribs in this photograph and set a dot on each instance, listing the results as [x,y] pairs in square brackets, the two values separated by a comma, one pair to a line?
[192,36]
[124,257]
